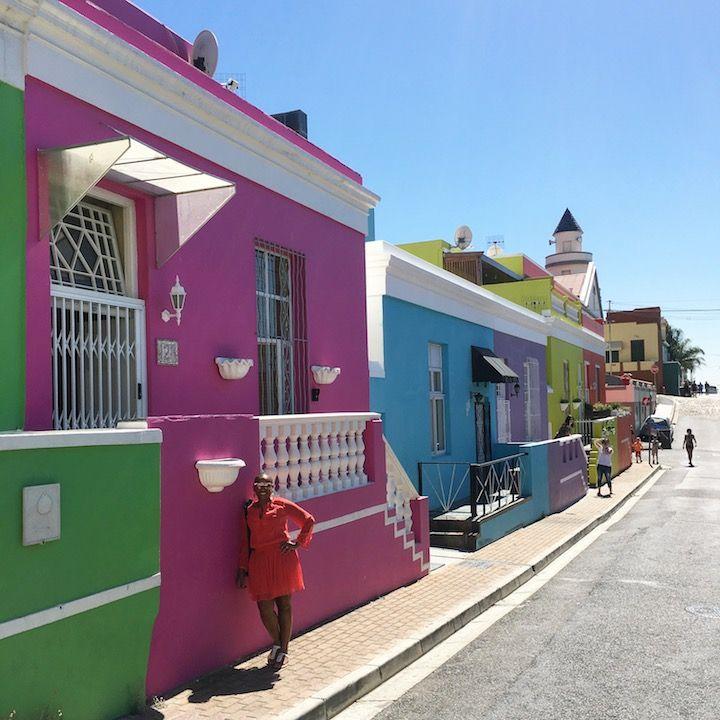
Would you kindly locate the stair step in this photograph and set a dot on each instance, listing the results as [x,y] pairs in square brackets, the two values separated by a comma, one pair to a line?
[441,524]
[454,540]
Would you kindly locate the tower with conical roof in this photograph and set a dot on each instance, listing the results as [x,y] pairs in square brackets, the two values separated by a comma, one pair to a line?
[573,266]
[568,257]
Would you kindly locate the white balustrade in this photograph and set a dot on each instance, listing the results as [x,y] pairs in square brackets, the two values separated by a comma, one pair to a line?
[400,490]
[334,458]
[314,454]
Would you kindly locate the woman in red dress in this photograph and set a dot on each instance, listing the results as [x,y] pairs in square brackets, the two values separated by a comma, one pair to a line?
[269,565]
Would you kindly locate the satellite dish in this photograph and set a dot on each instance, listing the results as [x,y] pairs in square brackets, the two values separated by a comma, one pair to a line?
[463,237]
[205,52]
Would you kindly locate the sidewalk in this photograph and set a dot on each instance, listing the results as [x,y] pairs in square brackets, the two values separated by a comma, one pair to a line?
[343,660]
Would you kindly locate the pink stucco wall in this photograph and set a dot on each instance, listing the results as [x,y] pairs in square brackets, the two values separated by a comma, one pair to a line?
[217,269]
[142,31]
[204,620]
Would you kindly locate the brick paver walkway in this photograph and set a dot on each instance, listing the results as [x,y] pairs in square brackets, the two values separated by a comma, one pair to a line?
[330,657]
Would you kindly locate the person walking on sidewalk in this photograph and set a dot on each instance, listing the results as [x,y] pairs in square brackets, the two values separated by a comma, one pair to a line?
[654,450]
[604,465]
[269,565]
[689,443]
[637,449]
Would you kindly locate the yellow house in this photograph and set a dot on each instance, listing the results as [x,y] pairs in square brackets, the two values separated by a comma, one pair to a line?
[635,340]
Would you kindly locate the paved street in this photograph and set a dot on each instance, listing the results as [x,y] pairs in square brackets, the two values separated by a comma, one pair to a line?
[628,629]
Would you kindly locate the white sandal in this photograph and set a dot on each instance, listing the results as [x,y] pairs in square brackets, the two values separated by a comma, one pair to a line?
[280,659]
[273,654]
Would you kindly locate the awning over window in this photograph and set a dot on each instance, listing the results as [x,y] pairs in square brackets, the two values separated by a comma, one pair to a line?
[185,198]
[488,367]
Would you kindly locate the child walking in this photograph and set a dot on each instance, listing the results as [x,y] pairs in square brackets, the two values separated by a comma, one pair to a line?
[637,449]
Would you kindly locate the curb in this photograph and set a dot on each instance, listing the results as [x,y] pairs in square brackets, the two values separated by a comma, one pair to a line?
[336,697]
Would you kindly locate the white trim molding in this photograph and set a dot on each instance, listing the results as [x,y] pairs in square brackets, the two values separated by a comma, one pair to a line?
[75,607]
[344,519]
[77,438]
[393,272]
[576,335]
[66,50]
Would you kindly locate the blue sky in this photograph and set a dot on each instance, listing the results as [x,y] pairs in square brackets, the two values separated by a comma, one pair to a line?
[499,114]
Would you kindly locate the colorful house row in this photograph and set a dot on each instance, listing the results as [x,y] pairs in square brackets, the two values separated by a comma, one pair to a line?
[183,281]
[475,358]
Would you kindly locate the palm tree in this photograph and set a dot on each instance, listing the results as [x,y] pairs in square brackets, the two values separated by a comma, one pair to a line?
[682,351]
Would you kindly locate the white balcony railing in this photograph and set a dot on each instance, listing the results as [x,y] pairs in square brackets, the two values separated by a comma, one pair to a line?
[314,454]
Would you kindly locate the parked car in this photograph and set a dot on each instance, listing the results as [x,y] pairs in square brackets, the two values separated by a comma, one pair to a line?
[659,426]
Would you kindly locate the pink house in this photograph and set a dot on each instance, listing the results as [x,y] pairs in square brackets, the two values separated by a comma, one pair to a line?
[194,264]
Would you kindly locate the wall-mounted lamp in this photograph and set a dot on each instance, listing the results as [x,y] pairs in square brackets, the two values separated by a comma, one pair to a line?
[177,298]
[516,388]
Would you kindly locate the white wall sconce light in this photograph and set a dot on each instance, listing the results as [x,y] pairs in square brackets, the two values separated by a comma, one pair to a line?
[233,368]
[177,298]
[216,475]
[324,374]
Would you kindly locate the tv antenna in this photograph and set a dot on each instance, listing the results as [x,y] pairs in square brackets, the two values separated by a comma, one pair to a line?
[463,237]
[205,52]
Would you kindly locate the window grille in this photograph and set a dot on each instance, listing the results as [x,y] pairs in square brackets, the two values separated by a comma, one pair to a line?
[84,251]
[98,334]
[281,329]
[97,360]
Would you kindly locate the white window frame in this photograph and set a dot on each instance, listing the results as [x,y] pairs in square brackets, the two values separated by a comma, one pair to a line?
[531,397]
[129,236]
[436,399]
[503,414]
[277,343]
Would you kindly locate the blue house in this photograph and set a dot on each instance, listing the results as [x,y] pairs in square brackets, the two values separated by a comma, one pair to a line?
[454,369]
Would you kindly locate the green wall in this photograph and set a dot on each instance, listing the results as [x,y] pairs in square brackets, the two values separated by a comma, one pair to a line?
[557,352]
[13,215]
[512,262]
[429,250]
[533,294]
[92,664]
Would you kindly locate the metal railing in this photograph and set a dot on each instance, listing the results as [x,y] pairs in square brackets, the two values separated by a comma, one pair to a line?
[585,428]
[482,487]
[98,358]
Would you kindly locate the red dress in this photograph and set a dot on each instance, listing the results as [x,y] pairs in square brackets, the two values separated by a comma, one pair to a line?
[270,572]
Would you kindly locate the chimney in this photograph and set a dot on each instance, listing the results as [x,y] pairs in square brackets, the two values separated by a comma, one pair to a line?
[295,119]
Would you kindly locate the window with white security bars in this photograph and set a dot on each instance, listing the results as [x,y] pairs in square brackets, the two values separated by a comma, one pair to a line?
[437,399]
[281,329]
[531,398]
[98,332]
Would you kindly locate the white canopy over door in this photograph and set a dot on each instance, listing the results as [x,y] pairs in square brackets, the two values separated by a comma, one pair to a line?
[185,198]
